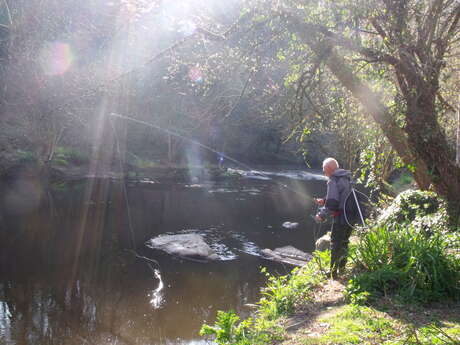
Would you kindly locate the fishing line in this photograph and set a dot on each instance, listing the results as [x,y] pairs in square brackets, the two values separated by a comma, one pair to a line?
[125,192]
[178,135]
[128,210]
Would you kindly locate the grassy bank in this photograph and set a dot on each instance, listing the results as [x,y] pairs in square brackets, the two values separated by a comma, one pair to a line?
[402,286]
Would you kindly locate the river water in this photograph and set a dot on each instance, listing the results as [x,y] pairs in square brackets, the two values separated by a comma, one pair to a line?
[74,266]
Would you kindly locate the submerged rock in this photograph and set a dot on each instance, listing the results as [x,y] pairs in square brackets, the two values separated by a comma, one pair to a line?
[187,246]
[290,225]
[287,255]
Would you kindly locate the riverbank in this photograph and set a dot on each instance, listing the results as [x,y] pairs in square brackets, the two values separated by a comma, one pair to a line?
[401,286]
[332,320]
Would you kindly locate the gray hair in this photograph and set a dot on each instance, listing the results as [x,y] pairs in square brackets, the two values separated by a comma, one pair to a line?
[331,161]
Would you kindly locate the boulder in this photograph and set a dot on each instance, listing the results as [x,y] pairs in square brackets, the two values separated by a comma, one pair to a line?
[323,243]
[290,225]
[187,246]
[287,255]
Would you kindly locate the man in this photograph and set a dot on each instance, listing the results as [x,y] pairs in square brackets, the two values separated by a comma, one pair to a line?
[338,189]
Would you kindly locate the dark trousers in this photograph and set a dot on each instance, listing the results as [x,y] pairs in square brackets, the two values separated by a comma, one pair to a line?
[340,237]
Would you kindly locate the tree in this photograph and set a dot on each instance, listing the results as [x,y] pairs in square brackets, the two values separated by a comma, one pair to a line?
[409,43]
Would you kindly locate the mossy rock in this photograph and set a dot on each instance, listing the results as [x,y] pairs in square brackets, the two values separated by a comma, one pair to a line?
[422,209]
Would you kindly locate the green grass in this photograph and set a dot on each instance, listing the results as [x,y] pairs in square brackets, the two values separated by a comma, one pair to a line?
[279,299]
[409,256]
[405,262]
[410,253]
[352,324]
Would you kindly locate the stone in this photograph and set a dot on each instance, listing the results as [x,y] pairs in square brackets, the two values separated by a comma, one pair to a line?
[290,225]
[187,246]
[323,243]
[287,255]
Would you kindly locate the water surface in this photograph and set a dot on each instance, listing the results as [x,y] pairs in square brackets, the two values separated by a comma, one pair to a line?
[71,261]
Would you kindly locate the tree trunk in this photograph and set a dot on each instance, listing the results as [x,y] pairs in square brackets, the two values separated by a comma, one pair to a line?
[428,142]
[374,107]
[422,145]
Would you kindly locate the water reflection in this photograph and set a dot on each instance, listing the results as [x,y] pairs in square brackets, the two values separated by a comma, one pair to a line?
[157,298]
[67,278]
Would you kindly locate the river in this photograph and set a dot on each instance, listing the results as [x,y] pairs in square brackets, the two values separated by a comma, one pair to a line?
[74,266]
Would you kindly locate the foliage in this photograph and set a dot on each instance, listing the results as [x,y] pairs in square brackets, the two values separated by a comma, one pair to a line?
[66,155]
[139,162]
[282,293]
[402,182]
[227,330]
[407,262]
[280,297]
[423,209]
[26,156]
[434,334]
[353,324]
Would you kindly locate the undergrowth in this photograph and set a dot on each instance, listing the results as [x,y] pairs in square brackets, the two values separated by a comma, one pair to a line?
[354,324]
[405,262]
[410,253]
[279,298]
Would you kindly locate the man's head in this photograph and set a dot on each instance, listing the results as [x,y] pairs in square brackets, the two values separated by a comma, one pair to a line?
[329,166]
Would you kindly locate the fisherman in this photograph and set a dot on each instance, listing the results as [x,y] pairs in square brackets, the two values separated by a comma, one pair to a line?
[338,189]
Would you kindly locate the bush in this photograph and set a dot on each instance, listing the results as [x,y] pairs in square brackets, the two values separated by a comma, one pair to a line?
[63,156]
[425,211]
[406,262]
[282,293]
[227,330]
[26,156]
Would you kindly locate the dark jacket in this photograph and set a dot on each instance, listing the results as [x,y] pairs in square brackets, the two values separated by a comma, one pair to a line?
[338,189]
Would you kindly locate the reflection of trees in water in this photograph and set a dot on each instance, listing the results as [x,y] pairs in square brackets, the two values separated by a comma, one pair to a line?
[62,272]
[60,294]
[48,309]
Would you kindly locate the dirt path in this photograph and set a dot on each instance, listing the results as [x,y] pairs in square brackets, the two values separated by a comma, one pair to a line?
[327,300]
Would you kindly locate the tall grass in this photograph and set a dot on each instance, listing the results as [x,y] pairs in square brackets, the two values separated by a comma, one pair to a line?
[282,293]
[279,298]
[406,262]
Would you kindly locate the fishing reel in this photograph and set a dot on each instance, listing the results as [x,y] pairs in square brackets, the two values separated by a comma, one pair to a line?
[317,218]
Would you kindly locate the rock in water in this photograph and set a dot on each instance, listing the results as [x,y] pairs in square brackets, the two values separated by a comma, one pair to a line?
[290,225]
[288,255]
[323,243]
[187,246]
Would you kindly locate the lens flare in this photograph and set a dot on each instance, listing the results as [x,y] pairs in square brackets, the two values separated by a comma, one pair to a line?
[56,58]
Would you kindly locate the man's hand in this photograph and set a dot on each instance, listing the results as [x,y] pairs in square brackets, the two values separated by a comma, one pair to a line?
[320,201]
[319,219]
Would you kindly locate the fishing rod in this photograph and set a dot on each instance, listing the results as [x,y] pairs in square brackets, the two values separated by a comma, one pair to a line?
[353,191]
[206,147]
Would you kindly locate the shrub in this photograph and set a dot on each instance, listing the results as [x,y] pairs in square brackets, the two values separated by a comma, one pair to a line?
[425,211]
[64,156]
[282,293]
[407,262]
[227,330]
[26,156]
